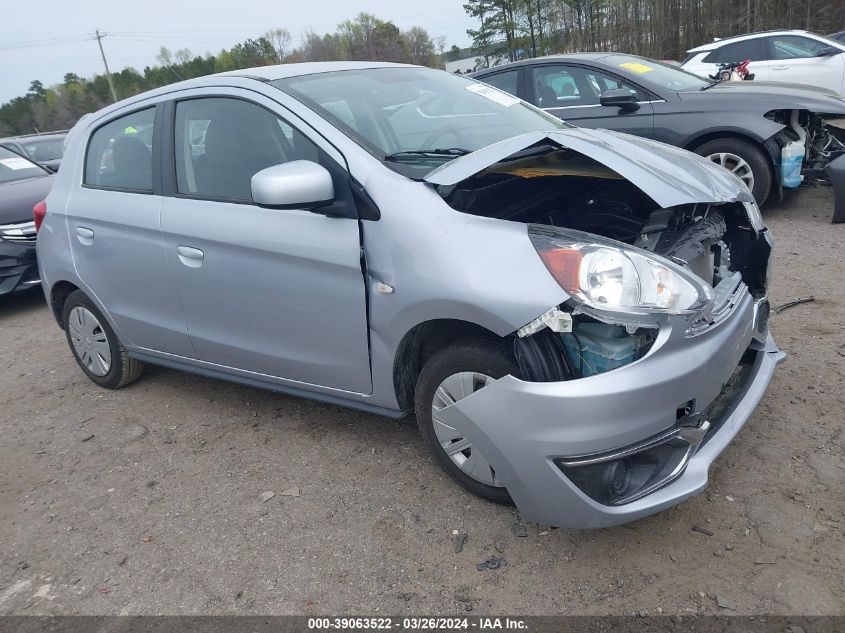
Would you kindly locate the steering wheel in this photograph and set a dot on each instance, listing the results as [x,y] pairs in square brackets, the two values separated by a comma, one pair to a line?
[439,133]
[454,130]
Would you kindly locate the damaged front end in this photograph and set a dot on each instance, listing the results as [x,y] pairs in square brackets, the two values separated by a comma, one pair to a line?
[661,349]
[810,149]
[631,241]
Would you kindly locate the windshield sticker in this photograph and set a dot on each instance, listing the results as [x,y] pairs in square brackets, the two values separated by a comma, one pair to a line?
[16,163]
[636,67]
[502,98]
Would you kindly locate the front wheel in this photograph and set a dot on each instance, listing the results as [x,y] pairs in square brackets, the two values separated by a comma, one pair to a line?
[451,374]
[745,160]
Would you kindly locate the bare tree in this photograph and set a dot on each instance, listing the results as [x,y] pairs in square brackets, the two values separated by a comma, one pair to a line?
[280,39]
[183,56]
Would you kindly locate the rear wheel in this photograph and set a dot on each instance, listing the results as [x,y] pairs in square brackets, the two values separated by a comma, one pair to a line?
[95,346]
[450,375]
[745,160]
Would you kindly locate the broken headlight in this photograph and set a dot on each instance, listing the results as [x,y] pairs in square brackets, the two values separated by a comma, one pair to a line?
[755,218]
[611,276]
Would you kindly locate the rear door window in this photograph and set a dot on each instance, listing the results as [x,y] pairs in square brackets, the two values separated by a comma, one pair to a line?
[738,52]
[120,153]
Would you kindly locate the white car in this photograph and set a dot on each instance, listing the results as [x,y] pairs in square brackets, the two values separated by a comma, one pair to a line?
[797,57]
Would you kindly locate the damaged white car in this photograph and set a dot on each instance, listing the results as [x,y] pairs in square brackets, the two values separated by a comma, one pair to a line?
[578,318]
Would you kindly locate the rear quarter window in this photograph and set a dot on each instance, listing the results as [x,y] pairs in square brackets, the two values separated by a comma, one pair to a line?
[120,153]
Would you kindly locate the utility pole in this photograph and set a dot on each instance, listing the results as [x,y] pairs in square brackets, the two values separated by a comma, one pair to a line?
[99,37]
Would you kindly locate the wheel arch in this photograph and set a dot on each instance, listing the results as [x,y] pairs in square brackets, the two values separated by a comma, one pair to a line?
[58,294]
[714,135]
[420,343]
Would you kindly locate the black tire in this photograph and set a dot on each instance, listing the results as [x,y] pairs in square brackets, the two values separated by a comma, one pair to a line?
[752,154]
[489,357]
[122,369]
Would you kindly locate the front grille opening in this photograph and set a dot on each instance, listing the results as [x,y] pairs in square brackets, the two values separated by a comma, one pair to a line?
[642,469]
[722,405]
[684,410]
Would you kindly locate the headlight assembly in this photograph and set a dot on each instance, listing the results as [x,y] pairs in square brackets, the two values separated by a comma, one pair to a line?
[615,277]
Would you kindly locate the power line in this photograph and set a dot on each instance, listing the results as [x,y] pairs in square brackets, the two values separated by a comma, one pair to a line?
[99,37]
[52,41]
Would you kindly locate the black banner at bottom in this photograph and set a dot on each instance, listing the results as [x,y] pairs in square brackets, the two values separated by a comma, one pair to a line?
[325,624]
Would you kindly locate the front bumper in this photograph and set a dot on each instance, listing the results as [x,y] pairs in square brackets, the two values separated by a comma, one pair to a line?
[523,427]
[835,170]
[18,266]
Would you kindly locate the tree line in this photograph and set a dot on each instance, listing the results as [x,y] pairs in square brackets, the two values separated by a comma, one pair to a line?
[365,37]
[663,29]
[506,30]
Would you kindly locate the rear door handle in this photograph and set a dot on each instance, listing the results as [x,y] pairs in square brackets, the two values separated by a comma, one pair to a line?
[780,67]
[84,235]
[190,256]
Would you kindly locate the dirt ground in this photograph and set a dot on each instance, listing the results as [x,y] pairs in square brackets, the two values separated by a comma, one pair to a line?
[147,500]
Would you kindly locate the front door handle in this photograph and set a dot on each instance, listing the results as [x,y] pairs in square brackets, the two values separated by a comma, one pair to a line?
[84,235]
[190,256]
[780,67]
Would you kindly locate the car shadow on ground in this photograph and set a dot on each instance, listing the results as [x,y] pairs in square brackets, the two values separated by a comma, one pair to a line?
[815,202]
[17,304]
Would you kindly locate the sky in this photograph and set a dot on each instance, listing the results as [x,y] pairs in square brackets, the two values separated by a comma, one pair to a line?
[44,39]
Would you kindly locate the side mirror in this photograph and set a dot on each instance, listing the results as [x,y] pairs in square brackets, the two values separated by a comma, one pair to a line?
[299,184]
[621,98]
[827,51]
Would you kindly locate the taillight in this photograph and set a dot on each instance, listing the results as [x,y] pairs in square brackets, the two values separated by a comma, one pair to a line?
[38,213]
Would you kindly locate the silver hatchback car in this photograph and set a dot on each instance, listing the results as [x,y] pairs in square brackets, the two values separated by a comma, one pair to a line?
[577,318]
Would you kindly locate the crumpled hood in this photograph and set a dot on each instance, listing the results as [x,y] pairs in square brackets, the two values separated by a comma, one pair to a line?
[668,175]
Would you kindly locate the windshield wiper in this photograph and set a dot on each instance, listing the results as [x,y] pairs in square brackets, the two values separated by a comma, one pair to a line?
[448,152]
[710,85]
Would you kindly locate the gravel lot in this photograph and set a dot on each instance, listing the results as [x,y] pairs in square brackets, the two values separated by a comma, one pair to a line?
[147,500]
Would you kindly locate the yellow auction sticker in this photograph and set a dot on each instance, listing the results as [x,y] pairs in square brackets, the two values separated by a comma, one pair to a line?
[636,67]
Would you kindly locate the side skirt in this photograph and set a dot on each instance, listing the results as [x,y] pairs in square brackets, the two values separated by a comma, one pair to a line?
[221,374]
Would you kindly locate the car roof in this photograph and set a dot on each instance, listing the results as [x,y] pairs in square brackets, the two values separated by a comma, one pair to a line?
[571,57]
[284,71]
[26,138]
[746,36]
[260,73]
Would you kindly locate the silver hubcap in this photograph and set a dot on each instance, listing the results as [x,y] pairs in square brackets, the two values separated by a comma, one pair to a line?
[89,341]
[736,165]
[460,449]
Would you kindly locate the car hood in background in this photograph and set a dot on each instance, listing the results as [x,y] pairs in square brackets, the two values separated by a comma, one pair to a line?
[770,95]
[668,175]
[19,196]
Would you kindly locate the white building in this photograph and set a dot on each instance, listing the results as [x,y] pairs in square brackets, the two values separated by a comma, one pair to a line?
[462,66]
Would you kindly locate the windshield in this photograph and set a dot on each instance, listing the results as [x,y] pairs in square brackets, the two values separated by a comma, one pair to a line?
[658,73]
[16,167]
[44,149]
[415,119]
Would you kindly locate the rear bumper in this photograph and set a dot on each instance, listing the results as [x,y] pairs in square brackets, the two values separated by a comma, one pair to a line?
[525,429]
[18,267]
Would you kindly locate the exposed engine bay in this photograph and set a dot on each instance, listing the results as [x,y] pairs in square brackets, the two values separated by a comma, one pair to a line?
[823,138]
[559,187]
